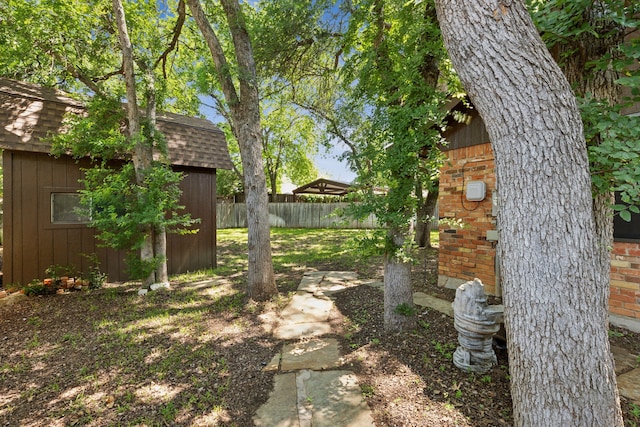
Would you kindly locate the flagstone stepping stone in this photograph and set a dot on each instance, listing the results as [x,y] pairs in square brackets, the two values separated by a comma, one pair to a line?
[424,300]
[628,385]
[317,354]
[338,275]
[311,396]
[309,283]
[625,361]
[305,307]
[331,398]
[292,331]
[328,282]
[281,409]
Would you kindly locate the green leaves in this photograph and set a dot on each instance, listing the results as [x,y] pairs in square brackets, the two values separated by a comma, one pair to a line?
[289,143]
[588,40]
[98,135]
[121,210]
[394,60]
[614,152]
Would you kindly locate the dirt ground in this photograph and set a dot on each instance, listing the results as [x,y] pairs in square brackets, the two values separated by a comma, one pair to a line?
[194,356]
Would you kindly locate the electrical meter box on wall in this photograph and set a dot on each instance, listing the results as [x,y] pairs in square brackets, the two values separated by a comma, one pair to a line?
[476,191]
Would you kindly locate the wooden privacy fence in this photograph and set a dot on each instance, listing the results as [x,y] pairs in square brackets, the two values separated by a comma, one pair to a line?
[293,215]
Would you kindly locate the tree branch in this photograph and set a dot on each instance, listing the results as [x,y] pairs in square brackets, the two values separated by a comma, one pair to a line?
[174,40]
[77,73]
[213,43]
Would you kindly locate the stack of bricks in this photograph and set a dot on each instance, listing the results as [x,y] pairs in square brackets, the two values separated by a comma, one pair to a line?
[465,252]
[625,280]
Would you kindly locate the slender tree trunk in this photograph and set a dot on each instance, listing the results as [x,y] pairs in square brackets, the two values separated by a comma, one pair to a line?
[424,216]
[273,180]
[398,294]
[399,310]
[554,293]
[142,155]
[245,111]
[133,115]
[421,231]
[160,249]
[158,236]
[261,281]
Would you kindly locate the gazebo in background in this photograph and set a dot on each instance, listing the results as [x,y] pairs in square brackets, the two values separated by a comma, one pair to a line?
[324,187]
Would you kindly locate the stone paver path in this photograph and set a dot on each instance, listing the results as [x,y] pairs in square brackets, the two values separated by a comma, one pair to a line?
[309,389]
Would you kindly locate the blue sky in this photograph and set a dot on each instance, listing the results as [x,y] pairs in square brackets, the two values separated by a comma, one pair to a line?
[326,161]
[329,166]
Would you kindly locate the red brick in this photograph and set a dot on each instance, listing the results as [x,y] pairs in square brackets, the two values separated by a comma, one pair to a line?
[624,312]
[484,268]
[633,252]
[619,250]
[633,307]
[630,272]
[615,303]
[630,292]
[625,299]
[632,279]
[616,276]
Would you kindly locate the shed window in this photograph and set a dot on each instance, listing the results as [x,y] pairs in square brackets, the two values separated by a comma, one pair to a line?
[67,209]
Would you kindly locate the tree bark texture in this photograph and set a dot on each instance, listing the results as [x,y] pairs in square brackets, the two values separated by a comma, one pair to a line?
[160,248]
[245,112]
[555,299]
[159,233]
[424,215]
[398,295]
[143,152]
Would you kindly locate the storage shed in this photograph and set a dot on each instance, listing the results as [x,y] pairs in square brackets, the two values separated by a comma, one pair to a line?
[39,227]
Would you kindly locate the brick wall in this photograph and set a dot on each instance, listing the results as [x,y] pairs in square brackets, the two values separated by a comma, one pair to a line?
[625,280]
[465,252]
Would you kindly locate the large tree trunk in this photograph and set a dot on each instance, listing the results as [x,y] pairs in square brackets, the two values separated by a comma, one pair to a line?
[260,277]
[554,293]
[245,111]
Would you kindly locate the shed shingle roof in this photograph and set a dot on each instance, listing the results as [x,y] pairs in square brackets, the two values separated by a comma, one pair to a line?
[28,113]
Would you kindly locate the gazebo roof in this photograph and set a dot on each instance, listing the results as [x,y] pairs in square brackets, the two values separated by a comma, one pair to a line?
[324,186]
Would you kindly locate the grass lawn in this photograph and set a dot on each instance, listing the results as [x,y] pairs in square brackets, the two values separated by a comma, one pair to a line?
[111,357]
[193,355]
